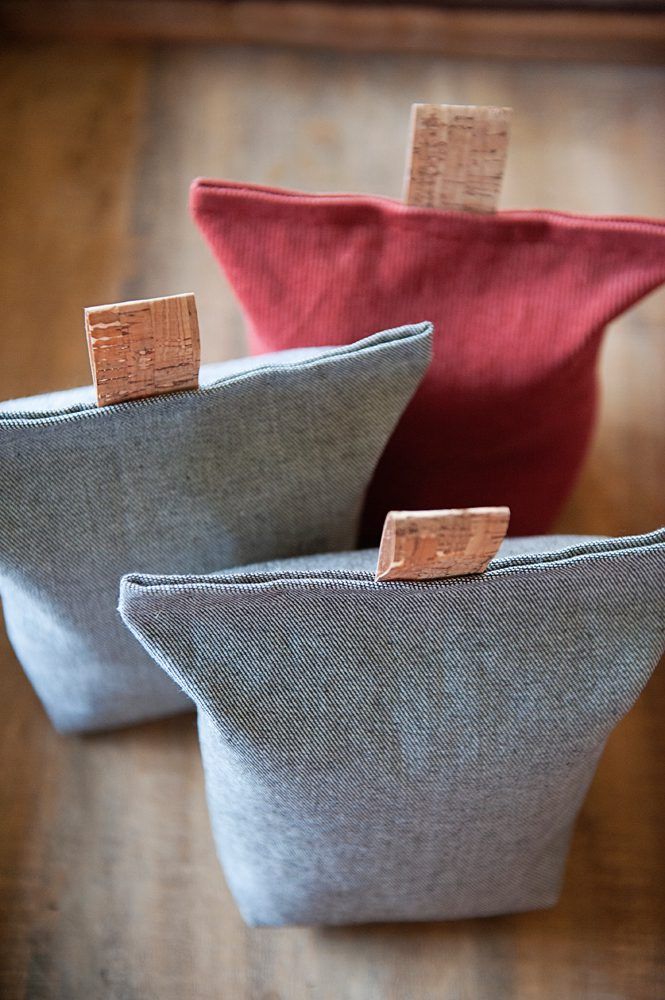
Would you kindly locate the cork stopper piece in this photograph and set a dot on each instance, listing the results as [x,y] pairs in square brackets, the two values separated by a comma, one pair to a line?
[457,156]
[434,544]
[143,348]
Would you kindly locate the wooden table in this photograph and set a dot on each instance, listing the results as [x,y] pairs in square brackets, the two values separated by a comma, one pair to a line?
[109,884]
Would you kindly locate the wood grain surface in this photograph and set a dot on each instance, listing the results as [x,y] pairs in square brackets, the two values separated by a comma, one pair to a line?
[108,881]
[435,544]
[597,30]
[456,157]
[143,348]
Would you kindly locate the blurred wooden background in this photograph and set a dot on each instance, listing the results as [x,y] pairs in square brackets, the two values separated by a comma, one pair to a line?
[626,30]
[109,886]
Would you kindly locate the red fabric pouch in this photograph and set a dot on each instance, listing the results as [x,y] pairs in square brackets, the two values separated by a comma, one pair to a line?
[519,301]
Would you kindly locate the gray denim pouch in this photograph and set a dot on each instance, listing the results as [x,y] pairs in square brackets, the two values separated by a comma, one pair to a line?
[402,750]
[270,457]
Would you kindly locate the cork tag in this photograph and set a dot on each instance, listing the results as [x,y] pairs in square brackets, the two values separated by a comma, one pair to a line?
[143,348]
[434,544]
[457,156]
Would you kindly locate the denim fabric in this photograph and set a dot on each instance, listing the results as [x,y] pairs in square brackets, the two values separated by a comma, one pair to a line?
[270,458]
[405,751]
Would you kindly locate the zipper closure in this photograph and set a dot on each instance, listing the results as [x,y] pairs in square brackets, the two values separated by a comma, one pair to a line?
[21,418]
[511,215]
[608,549]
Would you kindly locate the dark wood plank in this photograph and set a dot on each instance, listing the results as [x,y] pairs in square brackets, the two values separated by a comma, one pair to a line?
[636,34]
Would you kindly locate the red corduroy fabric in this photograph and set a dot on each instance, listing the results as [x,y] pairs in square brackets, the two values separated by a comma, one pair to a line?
[519,301]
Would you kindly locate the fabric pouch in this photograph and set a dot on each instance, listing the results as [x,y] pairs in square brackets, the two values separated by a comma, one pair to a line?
[405,751]
[270,457]
[519,301]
